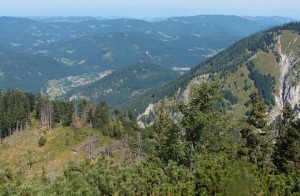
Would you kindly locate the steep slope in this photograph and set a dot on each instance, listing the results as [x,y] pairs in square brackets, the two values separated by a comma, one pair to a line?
[124,84]
[22,149]
[289,77]
[267,62]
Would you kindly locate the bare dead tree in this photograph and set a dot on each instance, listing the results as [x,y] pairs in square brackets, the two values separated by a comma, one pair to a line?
[85,115]
[90,151]
[47,113]
[77,121]
[120,148]
[139,149]
[50,115]
[88,146]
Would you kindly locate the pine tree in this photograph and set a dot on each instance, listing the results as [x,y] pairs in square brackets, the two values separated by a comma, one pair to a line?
[287,114]
[68,111]
[256,141]
[257,116]
[287,148]
[198,115]
[170,138]
[101,117]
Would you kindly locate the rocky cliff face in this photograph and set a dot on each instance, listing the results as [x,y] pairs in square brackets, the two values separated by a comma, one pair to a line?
[288,84]
[196,81]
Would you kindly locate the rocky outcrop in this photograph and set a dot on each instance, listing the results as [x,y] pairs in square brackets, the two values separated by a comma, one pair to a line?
[182,96]
[289,88]
[147,112]
[196,81]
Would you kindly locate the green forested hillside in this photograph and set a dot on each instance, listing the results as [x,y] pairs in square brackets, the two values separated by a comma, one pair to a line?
[117,49]
[30,72]
[252,63]
[124,84]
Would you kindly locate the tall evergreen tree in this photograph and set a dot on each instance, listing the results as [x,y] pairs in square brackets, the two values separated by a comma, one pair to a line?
[68,110]
[170,138]
[258,111]
[287,148]
[101,117]
[198,114]
[256,141]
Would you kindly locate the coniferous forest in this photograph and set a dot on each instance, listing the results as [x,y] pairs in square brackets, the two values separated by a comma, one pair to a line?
[193,148]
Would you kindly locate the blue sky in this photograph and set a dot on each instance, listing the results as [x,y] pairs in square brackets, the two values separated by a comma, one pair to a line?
[149,8]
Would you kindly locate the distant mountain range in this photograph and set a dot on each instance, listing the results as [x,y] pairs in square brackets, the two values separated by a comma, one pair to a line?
[80,45]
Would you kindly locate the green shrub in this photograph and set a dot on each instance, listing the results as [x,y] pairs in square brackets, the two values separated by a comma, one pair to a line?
[42,141]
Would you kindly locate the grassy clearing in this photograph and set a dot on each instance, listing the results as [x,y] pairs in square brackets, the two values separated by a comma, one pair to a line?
[21,149]
[266,63]
[235,82]
[289,42]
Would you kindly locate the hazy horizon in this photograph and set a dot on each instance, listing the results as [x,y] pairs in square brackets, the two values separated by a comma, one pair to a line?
[152,9]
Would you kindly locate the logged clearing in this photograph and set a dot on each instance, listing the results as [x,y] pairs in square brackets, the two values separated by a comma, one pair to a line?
[21,151]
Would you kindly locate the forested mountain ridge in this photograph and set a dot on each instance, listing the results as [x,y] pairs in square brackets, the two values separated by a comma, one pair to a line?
[34,30]
[91,45]
[30,72]
[117,49]
[124,84]
[181,41]
[267,61]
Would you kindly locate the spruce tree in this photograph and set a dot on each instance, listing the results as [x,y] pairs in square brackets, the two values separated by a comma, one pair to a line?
[101,117]
[255,141]
[198,117]
[257,116]
[287,148]
[170,138]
